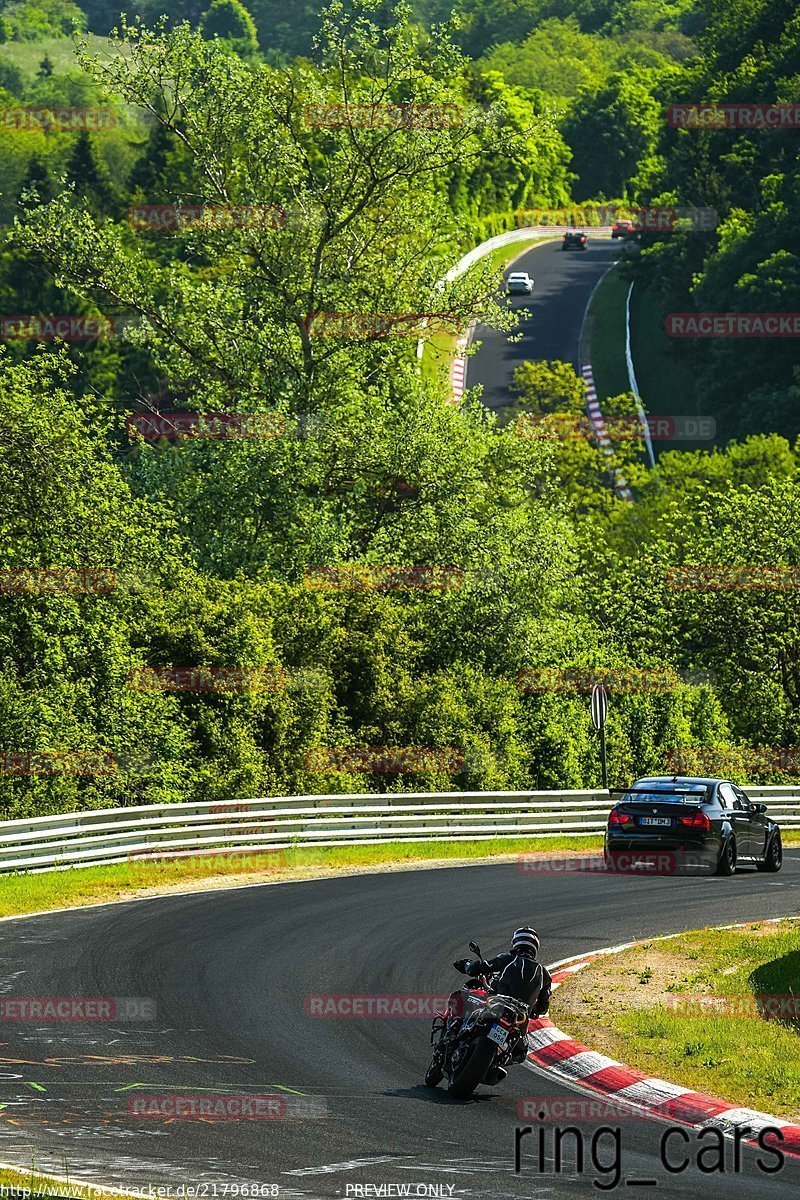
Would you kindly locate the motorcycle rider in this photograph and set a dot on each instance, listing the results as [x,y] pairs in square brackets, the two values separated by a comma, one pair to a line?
[516,973]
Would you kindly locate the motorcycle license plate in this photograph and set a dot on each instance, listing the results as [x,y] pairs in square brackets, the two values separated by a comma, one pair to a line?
[498,1034]
[655,821]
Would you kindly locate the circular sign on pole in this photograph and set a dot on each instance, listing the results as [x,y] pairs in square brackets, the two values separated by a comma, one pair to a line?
[599,705]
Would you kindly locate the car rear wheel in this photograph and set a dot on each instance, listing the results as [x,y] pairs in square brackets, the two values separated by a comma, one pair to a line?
[773,859]
[726,864]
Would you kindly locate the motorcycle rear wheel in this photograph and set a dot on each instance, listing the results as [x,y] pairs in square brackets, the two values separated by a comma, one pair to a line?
[472,1070]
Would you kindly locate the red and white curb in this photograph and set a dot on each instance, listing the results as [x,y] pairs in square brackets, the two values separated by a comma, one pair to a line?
[599,426]
[458,370]
[555,1052]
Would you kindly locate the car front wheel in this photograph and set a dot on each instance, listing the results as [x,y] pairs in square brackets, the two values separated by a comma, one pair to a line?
[726,864]
[773,859]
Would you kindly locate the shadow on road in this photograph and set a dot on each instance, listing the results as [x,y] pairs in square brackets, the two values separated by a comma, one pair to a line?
[430,1095]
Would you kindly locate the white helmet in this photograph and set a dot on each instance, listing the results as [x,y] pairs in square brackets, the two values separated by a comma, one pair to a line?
[525,938]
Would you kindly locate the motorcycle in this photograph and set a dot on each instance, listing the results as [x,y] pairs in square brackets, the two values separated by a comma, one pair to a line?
[478,1037]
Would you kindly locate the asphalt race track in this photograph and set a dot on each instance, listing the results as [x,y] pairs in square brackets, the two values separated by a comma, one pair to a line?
[563,284]
[228,973]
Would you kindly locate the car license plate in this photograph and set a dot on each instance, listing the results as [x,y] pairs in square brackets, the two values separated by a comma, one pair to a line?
[655,820]
[498,1034]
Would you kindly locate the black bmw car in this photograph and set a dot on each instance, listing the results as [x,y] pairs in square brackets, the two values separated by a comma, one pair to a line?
[676,823]
[573,239]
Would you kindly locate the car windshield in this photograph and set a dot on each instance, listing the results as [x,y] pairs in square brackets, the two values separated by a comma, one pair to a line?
[669,793]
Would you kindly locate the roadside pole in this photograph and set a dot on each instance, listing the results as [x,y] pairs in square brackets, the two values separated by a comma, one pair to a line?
[599,715]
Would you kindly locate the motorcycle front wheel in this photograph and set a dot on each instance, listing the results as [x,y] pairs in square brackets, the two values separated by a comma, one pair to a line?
[472,1068]
[434,1074]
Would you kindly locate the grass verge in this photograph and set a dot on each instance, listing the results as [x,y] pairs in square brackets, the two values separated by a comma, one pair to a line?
[604,336]
[620,1006]
[51,890]
[664,374]
[28,1185]
[26,56]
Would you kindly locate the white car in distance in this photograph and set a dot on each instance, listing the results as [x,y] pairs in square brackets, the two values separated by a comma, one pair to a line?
[519,283]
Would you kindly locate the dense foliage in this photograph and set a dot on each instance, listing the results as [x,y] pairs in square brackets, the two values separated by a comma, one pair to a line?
[270,558]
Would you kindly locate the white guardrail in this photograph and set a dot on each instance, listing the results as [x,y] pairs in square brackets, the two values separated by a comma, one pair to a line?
[113,835]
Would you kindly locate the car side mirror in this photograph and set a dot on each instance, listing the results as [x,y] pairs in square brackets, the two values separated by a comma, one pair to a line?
[759,808]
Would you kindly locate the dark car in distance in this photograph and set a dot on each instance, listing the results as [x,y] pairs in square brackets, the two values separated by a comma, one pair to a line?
[681,823]
[573,239]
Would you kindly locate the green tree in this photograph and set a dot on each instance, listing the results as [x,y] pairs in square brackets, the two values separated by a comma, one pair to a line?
[361,462]
[149,178]
[551,409]
[36,186]
[87,174]
[559,58]
[230,20]
[33,20]
[711,563]
[610,130]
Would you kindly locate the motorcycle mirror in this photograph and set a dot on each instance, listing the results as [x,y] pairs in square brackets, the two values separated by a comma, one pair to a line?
[475,948]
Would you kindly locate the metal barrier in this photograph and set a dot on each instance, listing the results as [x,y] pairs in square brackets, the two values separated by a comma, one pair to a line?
[272,824]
